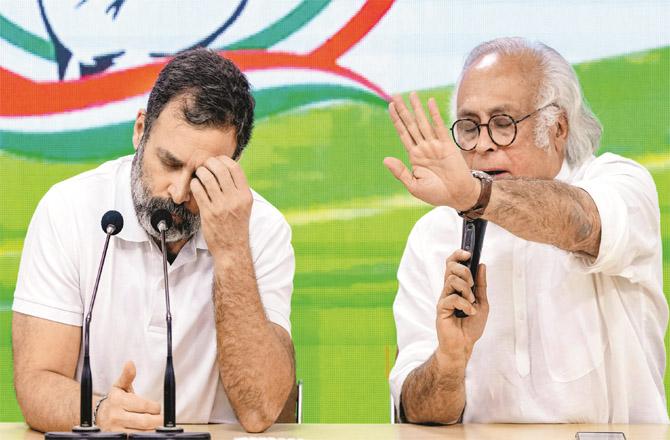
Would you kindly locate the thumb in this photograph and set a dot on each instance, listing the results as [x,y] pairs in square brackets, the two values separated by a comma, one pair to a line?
[480,288]
[399,171]
[125,381]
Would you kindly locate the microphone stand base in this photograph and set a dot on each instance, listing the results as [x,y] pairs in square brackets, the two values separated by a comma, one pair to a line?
[170,432]
[80,433]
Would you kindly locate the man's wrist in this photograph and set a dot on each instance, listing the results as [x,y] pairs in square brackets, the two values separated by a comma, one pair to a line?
[483,196]
[450,365]
[230,252]
[97,408]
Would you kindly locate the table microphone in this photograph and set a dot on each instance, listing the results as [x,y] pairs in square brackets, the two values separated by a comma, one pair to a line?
[471,240]
[161,221]
[112,223]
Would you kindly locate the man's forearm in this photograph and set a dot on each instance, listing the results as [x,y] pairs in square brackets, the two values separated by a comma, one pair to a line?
[546,211]
[256,365]
[435,391]
[49,401]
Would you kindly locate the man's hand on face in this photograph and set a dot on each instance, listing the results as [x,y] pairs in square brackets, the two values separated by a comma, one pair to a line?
[440,175]
[457,336]
[224,201]
[123,410]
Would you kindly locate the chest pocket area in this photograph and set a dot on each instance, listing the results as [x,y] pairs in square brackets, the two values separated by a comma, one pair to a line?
[572,334]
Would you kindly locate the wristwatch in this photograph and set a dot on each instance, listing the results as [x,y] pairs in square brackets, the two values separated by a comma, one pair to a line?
[484,196]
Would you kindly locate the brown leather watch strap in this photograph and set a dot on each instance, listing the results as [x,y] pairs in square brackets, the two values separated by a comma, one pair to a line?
[484,196]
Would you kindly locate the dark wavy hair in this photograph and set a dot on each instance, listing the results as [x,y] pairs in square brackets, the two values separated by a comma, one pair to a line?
[213,90]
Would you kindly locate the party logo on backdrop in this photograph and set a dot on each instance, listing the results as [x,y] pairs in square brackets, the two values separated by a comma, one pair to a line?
[72,96]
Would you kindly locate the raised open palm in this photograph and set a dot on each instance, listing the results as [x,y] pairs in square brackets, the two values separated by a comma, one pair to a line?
[439,173]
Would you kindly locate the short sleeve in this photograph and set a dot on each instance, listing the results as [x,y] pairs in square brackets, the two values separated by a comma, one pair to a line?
[48,282]
[274,263]
[627,202]
[413,310]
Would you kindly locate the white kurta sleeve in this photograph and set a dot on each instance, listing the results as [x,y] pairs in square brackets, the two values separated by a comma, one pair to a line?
[413,309]
[625,195]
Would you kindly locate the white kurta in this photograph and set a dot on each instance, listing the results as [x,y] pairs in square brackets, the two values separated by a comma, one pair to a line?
[568,339]
[58,268]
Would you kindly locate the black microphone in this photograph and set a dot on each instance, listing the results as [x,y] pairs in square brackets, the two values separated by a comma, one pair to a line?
[161,221]
[112,223]
[472,239]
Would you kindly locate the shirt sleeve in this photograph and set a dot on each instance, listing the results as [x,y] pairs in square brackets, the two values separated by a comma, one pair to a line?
[625,195]
[48,282]
[413,310]
[274,264]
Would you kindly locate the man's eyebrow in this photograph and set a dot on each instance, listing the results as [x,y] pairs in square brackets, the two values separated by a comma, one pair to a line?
[497,110]
[169,158]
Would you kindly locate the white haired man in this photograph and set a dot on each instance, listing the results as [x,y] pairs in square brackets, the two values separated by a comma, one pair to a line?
[571,328]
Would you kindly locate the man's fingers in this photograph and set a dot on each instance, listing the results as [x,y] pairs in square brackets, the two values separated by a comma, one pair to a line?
[400,128]
[447,305]
[461,286]
[399,171]
[460,271]
[422,121]
[459,255]
[210,183]
[220,172]
[407,118]
[136,404]
[198,191]
[440,129]
[480,288]
[236,172]
[125,380]
[141,422]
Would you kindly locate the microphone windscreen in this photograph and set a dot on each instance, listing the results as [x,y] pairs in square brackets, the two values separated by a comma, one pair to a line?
[112,218]
[161,215]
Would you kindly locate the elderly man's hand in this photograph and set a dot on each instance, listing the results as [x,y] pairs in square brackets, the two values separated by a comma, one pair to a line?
[457,336]
[440,175]
[224,200]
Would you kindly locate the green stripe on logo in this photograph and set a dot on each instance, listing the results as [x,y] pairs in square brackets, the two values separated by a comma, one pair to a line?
[19,37]
[281,29]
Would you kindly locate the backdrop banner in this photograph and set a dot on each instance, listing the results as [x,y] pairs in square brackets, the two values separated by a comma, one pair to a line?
[73,74]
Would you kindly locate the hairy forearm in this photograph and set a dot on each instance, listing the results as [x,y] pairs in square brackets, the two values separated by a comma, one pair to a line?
[546,211]
[49,401]
[435,391]
[256,366]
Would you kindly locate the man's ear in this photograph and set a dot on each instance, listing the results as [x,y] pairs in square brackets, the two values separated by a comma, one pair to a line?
[138,128]
[560,133]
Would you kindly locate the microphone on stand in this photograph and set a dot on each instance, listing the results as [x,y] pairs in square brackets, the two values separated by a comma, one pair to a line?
[161,220]
[471,241]
[112,223]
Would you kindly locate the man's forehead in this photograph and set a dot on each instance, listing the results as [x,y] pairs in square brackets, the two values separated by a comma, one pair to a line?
[190,158]
[496,84]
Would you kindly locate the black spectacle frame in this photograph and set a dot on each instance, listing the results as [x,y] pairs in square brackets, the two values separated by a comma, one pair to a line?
[488,127]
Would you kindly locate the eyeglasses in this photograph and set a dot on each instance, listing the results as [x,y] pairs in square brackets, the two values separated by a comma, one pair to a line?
[502,130]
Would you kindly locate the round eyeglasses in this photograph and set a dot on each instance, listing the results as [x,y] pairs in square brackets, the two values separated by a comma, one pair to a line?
[502,130]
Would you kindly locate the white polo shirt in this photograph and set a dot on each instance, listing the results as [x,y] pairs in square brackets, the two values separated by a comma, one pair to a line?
[568,339]
[58,267]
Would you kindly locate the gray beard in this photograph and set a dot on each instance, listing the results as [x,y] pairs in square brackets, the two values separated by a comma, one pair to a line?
[145,205]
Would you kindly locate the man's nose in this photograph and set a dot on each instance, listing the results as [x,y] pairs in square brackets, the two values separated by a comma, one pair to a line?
[485,143]
[180,190]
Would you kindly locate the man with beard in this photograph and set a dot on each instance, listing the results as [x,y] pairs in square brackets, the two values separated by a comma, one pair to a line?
[572,331]
[231,271]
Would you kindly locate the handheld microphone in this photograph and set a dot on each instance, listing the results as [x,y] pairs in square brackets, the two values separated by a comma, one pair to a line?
[112,223]
[472,239]
[161,221]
